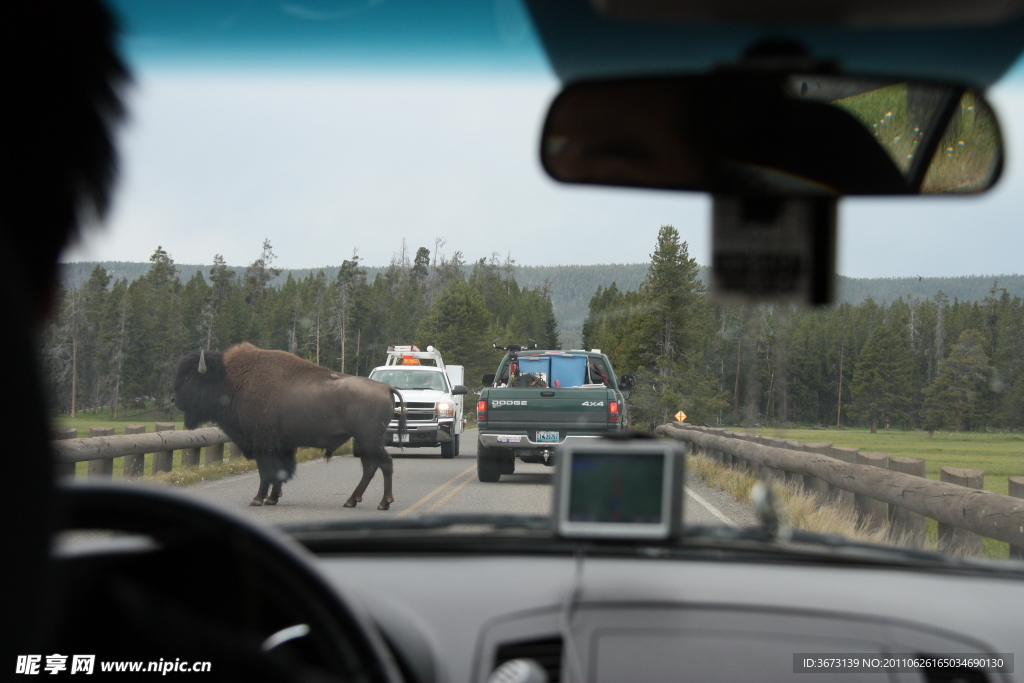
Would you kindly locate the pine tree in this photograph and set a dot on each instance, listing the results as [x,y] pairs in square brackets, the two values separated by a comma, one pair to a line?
[952,399]
[882,380]
[351,287]
[457,326]
[89,361]
[678,318]
[222,280]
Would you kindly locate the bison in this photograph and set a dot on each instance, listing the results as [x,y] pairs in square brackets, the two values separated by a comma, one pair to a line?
[271,403]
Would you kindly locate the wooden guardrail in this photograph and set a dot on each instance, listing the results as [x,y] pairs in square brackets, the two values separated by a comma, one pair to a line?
[881,489]
[101,447]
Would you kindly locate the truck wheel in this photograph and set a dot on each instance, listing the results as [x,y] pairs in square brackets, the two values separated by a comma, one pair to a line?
[487,469]
[450,449]
[487,464]
[507,464]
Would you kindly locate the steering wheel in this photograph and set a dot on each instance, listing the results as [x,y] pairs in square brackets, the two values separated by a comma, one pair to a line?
[204,584]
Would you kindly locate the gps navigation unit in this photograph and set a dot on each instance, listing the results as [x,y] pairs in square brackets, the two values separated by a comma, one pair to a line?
[619,489]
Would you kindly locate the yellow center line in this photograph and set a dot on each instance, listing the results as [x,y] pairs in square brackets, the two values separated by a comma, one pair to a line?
[426,499]
[448,496]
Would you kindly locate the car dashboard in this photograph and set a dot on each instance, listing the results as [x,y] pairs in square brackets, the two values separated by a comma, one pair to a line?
[453,619]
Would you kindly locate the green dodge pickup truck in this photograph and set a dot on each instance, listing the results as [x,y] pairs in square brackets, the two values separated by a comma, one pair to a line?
[538,399]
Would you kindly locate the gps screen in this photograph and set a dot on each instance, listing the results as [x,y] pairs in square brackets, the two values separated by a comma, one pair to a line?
[617,488]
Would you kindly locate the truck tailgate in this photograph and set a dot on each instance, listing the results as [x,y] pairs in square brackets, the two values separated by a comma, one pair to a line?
[562,409]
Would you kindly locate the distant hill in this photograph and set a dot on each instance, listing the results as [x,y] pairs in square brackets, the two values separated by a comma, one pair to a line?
[572,286]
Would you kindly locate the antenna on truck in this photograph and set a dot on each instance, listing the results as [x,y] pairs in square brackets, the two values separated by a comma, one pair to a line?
[513,354]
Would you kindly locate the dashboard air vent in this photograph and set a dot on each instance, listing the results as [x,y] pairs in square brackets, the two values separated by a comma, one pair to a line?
[547,652]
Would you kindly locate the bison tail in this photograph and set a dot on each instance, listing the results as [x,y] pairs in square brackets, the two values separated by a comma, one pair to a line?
[277,466]
[401,413]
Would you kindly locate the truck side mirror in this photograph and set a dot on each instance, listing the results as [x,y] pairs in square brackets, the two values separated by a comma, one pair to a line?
[459,390]
[488,379]
[627,382]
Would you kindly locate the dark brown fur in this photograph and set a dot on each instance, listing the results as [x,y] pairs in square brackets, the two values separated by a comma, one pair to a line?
[270,403]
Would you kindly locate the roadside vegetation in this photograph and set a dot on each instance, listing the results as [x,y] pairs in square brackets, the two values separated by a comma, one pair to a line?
[102,418]
[1001,455]
[186,476]
[806,512]
[178,476]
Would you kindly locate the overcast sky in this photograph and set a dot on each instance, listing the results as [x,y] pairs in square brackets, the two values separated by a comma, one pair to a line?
[326,163]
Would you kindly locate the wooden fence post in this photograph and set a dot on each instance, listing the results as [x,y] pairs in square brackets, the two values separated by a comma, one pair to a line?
[190,457]
[772,442]
[903,522]
[164,460]
[791,478]
[1016,489]
[134,465]
[101,468]
[844,499]
[723,456]
[64,469]
[813,484]
[766,473]
[215,453]
[951,538]
[720,456]
[951,502]
[874,513]
[234,452]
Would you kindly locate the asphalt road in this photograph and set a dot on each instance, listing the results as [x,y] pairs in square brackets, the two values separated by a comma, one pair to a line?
[425,483]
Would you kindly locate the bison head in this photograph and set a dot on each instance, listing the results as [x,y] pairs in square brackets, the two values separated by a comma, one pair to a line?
[200,388]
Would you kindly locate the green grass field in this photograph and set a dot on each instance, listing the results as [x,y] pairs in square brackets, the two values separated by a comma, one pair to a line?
[999,455]
[84,420]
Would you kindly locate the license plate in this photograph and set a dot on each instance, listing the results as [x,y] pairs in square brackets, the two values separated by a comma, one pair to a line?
[547,437]
[403,438]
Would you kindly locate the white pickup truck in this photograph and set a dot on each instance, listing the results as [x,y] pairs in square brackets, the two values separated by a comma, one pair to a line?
[433,398]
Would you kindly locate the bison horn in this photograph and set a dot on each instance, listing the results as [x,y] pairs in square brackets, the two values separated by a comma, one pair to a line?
[202,362]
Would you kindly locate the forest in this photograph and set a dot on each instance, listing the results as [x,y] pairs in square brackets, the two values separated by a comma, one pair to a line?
[117,343]
[931,363]
[928,361]
[571,286]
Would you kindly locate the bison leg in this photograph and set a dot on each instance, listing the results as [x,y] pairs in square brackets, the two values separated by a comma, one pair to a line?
[275,494]
[261,494]
[329,451]
[386,469]
[369,469]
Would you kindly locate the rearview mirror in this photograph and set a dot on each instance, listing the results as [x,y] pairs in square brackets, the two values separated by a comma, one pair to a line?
[627,382]
[459,390]
[769,133]
[488,379]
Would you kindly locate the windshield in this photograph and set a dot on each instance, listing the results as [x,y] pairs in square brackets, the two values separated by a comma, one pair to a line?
[410,379]
[325,181]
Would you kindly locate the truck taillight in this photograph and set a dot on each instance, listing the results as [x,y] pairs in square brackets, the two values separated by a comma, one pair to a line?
[613,411]
[481,410]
